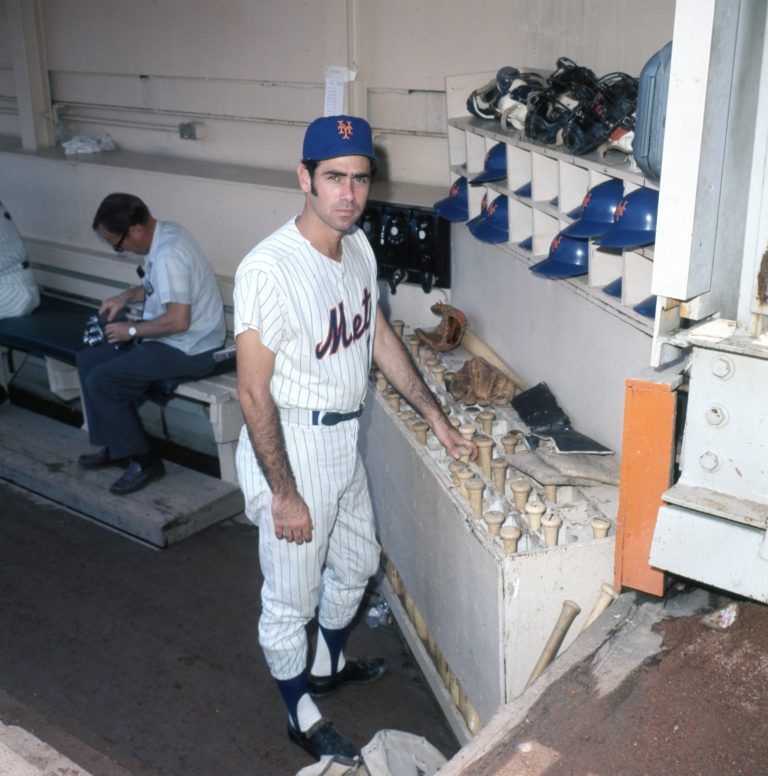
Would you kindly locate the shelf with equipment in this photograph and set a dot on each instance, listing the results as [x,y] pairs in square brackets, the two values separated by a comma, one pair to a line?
[545,186]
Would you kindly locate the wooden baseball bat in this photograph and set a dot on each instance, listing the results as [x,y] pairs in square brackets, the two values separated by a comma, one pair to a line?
[605,599]
[568,614]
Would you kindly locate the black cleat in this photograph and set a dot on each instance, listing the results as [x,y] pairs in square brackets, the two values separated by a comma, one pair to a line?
[362,670]
[323,739]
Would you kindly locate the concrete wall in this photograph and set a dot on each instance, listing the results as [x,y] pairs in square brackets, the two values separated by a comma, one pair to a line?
[550,333]
[252,73]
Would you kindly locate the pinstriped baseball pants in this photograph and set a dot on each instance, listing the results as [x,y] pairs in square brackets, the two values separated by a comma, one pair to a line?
[331,572]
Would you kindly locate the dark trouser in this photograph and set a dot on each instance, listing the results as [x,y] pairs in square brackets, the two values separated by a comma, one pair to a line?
[114,383]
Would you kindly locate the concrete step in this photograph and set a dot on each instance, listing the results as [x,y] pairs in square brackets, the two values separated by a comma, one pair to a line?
[41,454]
[23,754]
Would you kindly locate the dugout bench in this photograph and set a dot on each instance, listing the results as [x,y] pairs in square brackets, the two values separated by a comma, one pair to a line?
[72,286]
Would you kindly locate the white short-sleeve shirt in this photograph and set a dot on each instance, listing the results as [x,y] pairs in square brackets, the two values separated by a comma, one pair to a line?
[176,270]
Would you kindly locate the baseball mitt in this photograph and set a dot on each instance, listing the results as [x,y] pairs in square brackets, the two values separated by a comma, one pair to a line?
[478,382]
[449,332]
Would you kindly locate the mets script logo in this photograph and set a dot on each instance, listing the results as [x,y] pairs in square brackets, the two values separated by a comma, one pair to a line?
[344,129]
[620,208]
[555,244]
[338,336]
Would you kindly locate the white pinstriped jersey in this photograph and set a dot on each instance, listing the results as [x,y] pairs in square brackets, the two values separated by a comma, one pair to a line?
[317,315]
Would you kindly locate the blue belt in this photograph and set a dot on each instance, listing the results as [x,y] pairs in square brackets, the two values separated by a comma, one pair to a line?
[332,418]
[318,417]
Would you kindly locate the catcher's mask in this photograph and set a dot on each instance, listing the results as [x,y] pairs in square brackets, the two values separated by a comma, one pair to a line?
[494,228]
[454,207]
[512,105]
[495,168]
[482,101]
[634,223]
[597,210]
[568,257]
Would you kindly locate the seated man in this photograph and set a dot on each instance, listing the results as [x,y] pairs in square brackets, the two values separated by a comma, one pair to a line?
[181,326]
[19,294]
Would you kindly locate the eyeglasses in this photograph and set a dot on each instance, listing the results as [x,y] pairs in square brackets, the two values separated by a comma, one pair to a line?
[118,246]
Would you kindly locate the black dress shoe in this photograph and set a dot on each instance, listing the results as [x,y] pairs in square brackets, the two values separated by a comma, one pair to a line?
[359,671]
[135,477]
[323,739]
[95,460]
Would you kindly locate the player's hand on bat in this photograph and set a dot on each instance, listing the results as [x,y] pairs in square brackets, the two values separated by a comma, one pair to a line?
[453,441]
[291,518]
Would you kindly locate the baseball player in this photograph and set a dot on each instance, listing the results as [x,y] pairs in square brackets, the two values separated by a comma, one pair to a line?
[307,325]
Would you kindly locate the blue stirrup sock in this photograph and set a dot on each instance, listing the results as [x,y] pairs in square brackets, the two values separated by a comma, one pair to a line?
[329,655]
[302,711]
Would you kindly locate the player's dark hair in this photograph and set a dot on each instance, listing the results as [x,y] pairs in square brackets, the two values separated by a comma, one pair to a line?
[311,165]
[118,212]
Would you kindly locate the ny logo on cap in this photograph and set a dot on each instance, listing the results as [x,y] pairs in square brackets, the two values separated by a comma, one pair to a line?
[555,243]
[344,129]
[454,190]
[585,201]
[491,209]
[620,208]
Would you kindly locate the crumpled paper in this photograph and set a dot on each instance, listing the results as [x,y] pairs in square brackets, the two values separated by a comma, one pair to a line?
[88,144]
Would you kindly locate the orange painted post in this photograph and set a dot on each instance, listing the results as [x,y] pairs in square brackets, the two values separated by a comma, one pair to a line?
[648,447]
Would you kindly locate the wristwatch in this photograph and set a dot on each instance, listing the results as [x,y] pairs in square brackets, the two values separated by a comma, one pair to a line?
[132,331]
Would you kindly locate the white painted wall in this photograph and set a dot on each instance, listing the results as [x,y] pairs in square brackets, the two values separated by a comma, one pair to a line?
[8,122]
[252,72]
[240,65]
[548,333]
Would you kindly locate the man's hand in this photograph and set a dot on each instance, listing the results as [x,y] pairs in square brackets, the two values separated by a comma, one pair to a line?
[112,306]
[118,332]
[395,363]
[290,515]
[453,441]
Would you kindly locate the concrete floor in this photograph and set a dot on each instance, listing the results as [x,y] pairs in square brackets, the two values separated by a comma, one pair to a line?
[131,660]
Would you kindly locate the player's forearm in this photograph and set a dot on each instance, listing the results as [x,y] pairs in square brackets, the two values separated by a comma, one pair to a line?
[266,434]
[396,365]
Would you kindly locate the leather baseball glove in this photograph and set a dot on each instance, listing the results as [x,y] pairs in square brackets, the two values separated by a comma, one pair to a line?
[478,382]
[449,332]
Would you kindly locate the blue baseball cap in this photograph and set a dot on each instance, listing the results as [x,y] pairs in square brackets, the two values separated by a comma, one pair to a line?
[568,257]
[647,307]
[524,190]
[455,206]
[614,288]
[526,244]
[483,210]
[494,228]
[332,136]
[634,223]
[598,209]
[495,168]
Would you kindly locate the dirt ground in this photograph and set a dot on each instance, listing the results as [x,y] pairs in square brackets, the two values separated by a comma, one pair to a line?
[697,707]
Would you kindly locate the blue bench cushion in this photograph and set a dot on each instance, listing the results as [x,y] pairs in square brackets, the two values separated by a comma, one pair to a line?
[55,329]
